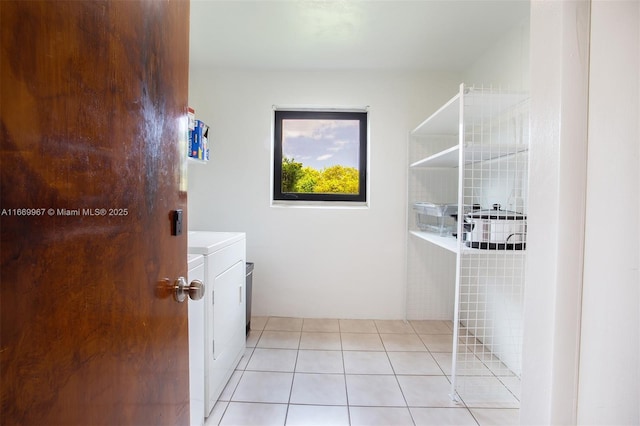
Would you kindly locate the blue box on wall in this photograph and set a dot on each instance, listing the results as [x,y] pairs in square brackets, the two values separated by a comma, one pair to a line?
[199,141]
[202,135]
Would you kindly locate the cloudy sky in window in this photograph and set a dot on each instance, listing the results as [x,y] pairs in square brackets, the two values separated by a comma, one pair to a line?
[321,143]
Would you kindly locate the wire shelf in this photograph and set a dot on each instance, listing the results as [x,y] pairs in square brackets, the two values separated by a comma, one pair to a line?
[474,152]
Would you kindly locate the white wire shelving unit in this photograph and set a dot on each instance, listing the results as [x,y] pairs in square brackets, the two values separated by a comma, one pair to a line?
[472,151]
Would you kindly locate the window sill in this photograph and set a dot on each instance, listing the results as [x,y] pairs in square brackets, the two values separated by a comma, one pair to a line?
[335,205]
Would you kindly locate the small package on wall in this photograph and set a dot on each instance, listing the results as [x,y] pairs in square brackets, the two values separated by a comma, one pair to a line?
[201,140]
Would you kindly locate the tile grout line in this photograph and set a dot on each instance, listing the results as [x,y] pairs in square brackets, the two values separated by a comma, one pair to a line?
[344,375]
[293,376]
[395,375]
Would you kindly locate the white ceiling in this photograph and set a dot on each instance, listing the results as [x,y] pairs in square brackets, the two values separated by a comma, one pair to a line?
[348,34]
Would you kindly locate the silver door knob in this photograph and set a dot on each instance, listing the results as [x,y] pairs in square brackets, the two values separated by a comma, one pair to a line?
[195,290]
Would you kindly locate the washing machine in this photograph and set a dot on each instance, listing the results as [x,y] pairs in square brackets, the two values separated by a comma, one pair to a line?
[195,264]
[224,257]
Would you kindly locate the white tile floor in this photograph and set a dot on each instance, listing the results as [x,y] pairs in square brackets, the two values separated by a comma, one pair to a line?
[350,372]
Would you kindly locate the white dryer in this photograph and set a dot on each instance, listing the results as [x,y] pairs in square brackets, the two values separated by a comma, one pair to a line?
[225,339]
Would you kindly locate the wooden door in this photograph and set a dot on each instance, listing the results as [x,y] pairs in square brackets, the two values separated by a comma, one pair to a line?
[93,108]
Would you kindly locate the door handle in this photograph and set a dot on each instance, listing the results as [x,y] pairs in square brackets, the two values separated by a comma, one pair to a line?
[195,290]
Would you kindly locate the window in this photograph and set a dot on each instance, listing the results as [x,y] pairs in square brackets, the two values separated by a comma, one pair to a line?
[320,155]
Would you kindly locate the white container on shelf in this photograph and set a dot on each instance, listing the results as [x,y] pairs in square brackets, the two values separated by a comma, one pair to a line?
[431,217]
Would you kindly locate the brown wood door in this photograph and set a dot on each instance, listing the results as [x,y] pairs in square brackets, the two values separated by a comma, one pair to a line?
[93,108]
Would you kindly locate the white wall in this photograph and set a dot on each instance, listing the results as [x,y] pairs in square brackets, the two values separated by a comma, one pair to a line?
[609,384]
[339,263]
[559,95]
[505,64]
[582,325]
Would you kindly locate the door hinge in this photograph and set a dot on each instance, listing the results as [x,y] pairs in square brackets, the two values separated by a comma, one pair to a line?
[213,346]
[213,297]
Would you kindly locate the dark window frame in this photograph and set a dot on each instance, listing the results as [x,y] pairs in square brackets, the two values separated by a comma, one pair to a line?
[361,116]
